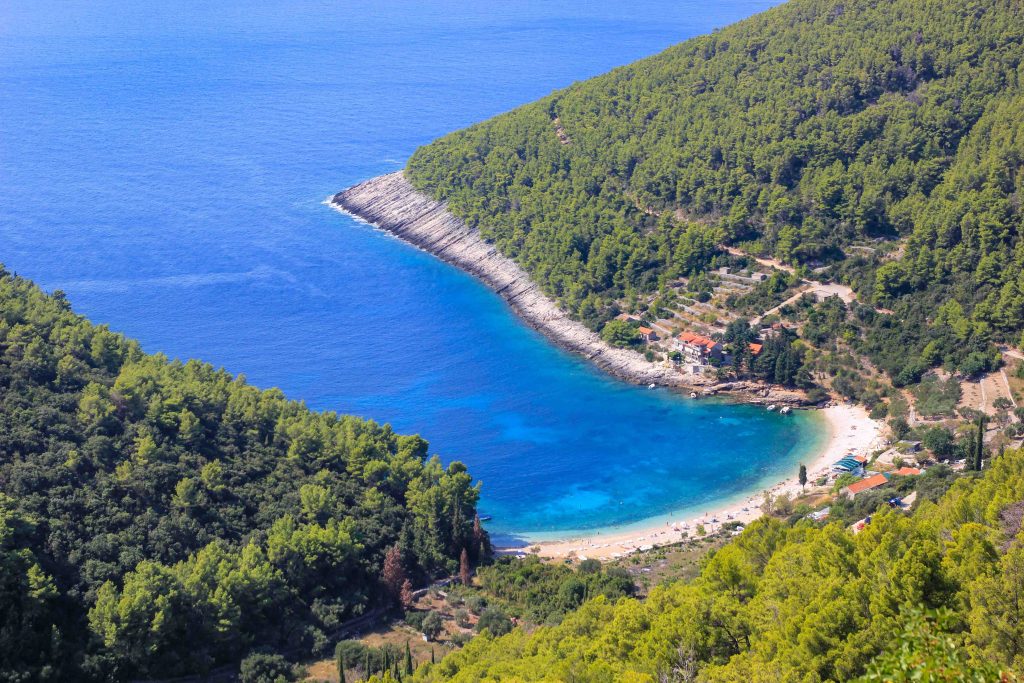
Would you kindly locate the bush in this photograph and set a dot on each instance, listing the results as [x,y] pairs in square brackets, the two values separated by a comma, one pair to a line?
[352,651]
[432,625]
[939,441]
[264,668]
[495,621]
[462,618]
[460,639]
[415,619]
[899,427]
[475,603]
[619,333]
[879,412]
[817,395]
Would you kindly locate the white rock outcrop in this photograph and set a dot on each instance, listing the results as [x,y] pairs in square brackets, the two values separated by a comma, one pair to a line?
[391,203]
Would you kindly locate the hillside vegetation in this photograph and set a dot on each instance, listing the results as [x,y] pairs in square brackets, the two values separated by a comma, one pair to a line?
[881,138]
[160,518]
[933,596]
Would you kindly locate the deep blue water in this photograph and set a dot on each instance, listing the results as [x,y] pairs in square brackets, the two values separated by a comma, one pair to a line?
[166,164]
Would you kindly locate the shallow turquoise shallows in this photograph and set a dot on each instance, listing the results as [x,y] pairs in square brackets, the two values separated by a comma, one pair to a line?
[166,164]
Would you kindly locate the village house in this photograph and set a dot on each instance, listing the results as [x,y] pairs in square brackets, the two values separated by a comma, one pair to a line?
[697,349]
[859,487]
[907,472]
[774,330]
[647,334]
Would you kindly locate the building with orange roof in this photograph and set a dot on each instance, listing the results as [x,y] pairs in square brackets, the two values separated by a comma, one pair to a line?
[907,472]
[647,334]
[697,349]
[868,484]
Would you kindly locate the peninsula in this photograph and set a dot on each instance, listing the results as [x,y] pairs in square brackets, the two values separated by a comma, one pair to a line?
[391,203]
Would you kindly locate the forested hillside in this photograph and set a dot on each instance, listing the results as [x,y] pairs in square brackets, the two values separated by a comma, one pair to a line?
[160,518]
[881,138]
[933,596]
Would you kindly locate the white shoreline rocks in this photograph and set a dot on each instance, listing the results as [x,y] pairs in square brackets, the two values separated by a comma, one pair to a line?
[391,203]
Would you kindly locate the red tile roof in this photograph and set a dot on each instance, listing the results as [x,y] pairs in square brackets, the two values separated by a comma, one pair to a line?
[871,482]
[755,348]
[908,472]
[697,340]
[644,330]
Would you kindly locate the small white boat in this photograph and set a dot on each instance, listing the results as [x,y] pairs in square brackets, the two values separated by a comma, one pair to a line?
[651,385]
[771,407]
[693,394]
[785,410]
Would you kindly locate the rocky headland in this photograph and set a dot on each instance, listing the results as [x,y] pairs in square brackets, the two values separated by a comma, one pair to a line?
[391,203]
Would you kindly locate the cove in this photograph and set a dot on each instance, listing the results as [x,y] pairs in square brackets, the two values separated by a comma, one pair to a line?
[166,167]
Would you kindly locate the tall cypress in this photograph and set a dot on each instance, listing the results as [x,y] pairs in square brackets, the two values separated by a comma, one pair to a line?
[979,448]
[408,658]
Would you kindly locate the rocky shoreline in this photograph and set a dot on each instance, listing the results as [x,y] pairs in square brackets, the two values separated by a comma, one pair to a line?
[391,203]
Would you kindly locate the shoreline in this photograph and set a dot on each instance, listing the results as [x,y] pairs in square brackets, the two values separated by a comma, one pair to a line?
[850,430]
[390,203]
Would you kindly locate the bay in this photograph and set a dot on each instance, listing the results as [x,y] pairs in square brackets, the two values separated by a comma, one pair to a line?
[166,166]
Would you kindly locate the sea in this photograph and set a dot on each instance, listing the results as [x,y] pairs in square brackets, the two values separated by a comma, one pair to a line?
[166,165]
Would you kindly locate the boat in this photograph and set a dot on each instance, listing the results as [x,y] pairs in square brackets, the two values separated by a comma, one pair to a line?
[785,410]
[693,394]
[485,518]
[771,407]
[651,385]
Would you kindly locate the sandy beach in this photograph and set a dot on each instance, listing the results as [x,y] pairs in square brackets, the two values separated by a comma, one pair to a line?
[850,431]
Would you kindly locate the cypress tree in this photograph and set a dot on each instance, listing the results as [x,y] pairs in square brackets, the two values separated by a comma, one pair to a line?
[464,571]
[979,444]
[432,656]
[408,658]
[341,668]
[803,475]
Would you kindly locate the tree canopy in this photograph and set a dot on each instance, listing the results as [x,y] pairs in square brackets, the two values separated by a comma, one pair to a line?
[928,596]
[879,138]
[162,518]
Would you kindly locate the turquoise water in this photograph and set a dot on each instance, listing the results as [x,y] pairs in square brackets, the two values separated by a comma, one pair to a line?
[166,166]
